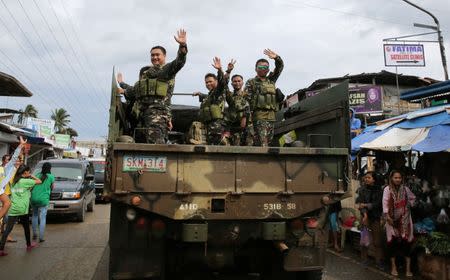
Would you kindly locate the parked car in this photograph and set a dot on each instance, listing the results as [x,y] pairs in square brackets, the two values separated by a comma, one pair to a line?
[73,191]
[99,168]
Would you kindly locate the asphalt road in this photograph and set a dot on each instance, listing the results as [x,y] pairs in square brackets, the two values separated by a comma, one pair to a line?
[72,250]
[75,250]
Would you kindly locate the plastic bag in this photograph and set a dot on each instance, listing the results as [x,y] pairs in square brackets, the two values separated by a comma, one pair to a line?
[365,237]
[442,218]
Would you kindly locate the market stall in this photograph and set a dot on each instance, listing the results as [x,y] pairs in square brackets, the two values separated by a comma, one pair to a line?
[418,143]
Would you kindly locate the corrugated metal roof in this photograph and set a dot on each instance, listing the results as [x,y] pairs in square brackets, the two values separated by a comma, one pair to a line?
[381,78]
[10,86]
[13,129]
[438,89]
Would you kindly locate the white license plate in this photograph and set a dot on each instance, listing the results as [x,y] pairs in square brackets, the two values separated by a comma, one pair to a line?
[144,163]
[51,206]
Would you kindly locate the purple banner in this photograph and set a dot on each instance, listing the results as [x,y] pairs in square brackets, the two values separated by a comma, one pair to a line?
[366,99]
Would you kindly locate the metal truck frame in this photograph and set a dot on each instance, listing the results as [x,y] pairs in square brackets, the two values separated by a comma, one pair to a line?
[193,211]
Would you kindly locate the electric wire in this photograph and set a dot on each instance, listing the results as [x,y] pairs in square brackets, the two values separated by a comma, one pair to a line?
[38,89]
[34,49]
[296,3]
[59,45]
[83,50]
[56,82]
[75,54]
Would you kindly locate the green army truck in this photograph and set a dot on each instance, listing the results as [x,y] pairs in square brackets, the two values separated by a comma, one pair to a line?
[197,211]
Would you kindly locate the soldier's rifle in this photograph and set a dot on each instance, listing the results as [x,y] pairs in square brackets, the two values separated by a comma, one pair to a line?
[182,94]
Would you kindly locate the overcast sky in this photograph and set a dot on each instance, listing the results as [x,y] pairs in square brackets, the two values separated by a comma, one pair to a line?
[64,50]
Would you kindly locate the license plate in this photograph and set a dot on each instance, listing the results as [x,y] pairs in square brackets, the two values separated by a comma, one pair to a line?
[144,163]
[51,206]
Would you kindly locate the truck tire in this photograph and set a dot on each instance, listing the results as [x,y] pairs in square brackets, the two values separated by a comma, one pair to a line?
[90,206]
[309,275]
[81,215]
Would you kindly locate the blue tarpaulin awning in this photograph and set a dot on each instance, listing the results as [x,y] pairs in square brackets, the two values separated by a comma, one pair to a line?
[426,130]
[437,140]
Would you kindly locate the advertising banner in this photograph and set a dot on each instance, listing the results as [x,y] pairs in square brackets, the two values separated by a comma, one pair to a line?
[43,128]
[62,140]
[366,99]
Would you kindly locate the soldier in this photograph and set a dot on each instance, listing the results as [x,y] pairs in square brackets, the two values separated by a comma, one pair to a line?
[238,110]
[212,105]
[132,108]
[153,93]
[264,100]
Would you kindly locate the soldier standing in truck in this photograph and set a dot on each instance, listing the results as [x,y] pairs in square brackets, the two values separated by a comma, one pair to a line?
[153,93]
[213,105]
[238,111]
[264,100]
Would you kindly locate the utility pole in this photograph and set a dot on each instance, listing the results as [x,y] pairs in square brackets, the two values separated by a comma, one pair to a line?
[438,29]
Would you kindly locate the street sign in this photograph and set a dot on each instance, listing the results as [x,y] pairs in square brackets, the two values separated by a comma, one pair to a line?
[404,55]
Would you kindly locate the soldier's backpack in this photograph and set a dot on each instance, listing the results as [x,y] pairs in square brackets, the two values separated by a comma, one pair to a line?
[197,134]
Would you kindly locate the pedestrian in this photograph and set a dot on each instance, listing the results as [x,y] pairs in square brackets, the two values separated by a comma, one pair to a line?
[265,99]
[154,91]
[369,203]
[355,124]
[17,164]
[6,174]
[40,198]
[333,217]
[213,104]
[397,203]
[20,204]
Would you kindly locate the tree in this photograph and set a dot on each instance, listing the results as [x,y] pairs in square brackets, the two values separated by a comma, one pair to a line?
[61,118]
[28,112]
[72,132]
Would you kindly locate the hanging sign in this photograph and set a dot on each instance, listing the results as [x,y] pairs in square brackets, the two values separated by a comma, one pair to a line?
[404,55]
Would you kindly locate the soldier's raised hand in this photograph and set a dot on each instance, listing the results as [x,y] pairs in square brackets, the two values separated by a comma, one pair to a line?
[216,63]
[197,93]
[271,54]
[119,78]
[231,65]
[181,37]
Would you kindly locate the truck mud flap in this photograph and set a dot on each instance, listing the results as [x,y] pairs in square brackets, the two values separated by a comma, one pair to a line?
[304,259]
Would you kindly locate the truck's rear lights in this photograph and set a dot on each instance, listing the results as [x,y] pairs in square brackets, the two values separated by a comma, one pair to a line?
[312,223]
[218,205]
[158,225]
[141,223]
[136,200]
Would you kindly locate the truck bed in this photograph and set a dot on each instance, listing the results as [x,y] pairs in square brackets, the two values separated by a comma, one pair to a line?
[224,182]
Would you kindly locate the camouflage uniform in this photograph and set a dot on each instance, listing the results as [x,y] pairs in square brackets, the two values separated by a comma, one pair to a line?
[264,103]
[154,111]
[211,112]
[238,109]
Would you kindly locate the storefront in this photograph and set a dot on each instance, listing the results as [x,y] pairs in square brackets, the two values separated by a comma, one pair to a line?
[418,144]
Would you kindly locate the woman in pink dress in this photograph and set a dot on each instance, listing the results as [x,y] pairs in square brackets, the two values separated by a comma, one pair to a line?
[397,202]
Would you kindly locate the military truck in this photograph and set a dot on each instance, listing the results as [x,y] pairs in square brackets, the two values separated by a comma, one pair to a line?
[197,211]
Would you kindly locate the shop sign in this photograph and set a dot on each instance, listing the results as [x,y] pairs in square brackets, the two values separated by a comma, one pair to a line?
[404,55]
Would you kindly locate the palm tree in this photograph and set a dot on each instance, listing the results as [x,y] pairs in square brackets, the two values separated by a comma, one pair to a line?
[72,132]
[29,111]
[61,118]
